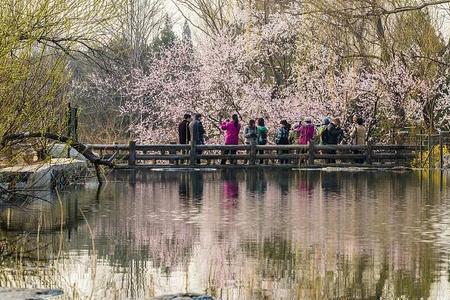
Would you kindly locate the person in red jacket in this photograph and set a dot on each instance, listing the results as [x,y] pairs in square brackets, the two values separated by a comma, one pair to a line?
[232,129]
[306,132]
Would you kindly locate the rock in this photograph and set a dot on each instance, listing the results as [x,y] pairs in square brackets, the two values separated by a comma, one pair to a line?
[28,294]
[185,296]
[60,151]
[55,173]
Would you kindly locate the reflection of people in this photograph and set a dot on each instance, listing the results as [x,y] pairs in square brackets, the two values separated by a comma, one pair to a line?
[283,182]
[306,181]
[183,187]
[256,182]
[197,187]
[330,183]
[191,187]
[230,189]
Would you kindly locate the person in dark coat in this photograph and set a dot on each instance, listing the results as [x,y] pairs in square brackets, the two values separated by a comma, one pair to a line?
[198,132]
[282,138]
[323,131]
[334,136]
[184,135]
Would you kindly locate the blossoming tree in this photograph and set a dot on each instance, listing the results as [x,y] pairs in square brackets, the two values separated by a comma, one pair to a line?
[264,68]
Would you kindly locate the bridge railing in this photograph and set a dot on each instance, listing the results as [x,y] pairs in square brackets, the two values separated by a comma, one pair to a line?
[133,154]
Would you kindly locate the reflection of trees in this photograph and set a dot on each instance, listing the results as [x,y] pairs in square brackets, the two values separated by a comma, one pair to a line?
[340,263]
[360,239]
[150,225]
[311,273]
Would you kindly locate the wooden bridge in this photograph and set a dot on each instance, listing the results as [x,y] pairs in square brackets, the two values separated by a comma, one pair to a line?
[134,155]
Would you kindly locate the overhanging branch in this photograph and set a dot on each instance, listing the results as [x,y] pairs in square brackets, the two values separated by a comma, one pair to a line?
[81,148]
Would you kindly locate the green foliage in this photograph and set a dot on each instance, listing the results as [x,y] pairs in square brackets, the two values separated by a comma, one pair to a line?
[414,31]
[36,39]
[186,35]
[166,37]
[422,158]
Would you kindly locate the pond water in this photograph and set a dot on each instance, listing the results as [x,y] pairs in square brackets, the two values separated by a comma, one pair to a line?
[238,235]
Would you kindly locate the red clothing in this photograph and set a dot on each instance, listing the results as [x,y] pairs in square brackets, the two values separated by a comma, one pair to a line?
[306,133]
[232,132]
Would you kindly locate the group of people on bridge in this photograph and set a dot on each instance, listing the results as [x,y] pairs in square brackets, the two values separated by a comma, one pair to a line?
[256,133]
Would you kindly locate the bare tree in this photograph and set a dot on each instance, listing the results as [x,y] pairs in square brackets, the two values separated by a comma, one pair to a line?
[208,16]
[137,24]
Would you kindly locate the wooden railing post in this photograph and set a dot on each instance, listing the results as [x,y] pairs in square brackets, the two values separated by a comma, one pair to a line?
[311,153]
[253,154]
[132,156]
[441,151]
[421,155]
[369,152]
[430,152]
[193,152]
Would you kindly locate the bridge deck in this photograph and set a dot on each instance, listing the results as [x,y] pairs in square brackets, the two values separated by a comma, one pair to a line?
[134,155]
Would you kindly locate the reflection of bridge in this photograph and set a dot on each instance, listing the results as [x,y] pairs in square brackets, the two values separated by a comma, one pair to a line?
[309,156]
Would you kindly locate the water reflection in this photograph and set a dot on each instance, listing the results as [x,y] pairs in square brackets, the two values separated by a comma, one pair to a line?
[249,235]
[256,182]
[190,188]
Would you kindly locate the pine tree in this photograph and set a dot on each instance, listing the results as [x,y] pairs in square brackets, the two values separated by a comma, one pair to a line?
[166,37]
[186,34]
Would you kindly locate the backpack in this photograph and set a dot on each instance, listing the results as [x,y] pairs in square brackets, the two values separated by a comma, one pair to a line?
[262,137]
[283,138]
[294,137]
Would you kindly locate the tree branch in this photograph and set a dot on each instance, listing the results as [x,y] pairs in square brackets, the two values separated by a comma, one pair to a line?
[81,148]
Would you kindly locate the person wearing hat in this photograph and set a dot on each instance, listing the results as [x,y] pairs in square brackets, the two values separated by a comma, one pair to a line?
[323,131]
[282,138]
[334,136]
[306,132]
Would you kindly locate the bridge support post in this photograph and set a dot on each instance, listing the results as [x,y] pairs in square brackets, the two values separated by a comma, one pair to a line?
[430,152]
[369,153]
[441,151]
[193,152]
[311,153]
[252,154]
[132,155]
[420,149]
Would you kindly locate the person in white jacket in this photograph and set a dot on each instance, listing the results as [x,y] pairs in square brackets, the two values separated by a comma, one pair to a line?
[358,135]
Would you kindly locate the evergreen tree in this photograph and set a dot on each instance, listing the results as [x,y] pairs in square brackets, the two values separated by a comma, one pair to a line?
[166,37]
[186,34]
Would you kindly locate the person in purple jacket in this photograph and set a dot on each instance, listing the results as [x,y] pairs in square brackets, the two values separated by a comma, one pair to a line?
[306,132]
[232,129]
